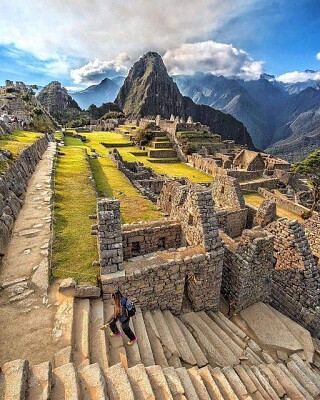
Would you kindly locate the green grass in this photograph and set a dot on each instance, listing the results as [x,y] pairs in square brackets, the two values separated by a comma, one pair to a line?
[255,199]
[74,248]
[110,182]
[16,141]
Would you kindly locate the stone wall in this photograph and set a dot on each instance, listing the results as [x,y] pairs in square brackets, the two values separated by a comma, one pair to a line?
[226,193]
[296,276]
[247,268]
[312,230]
[282,202]
[109,236]
[232,222]
[268,183]
[13,184]
[161,278]
[266,213]
[148,237]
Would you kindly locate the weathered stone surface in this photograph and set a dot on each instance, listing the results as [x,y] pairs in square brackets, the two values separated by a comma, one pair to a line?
[269,329]
[67,284]
[87,291]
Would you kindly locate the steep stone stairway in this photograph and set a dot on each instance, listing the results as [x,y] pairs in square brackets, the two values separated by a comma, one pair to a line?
[196,356]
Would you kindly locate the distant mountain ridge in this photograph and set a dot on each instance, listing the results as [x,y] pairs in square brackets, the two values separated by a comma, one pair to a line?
[149,90]
[105,91]
[272,111]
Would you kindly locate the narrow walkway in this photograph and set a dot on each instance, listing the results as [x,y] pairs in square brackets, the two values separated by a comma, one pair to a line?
[24,274]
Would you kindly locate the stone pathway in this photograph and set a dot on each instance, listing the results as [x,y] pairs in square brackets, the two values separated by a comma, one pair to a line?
[24,274]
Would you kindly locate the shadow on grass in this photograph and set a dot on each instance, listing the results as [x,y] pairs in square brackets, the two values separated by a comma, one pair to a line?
[101,180]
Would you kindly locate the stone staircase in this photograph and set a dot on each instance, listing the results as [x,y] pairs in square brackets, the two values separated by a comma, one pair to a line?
[196,356]
[161,149]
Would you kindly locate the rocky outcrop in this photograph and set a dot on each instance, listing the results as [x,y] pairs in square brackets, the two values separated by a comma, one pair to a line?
[56,100]
[149,90]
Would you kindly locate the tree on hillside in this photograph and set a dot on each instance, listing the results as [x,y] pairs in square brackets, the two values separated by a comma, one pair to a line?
[310,167]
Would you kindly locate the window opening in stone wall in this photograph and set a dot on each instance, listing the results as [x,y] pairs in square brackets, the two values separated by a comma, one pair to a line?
[135,248]
[190,219]
[222,189]
[162,243]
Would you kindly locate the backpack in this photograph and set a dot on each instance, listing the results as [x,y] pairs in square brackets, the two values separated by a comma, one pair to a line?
[131,308]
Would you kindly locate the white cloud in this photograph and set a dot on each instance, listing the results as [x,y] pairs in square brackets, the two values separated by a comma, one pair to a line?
[89,30]
[318,56]
[297,76]
[209,56]
[95,71]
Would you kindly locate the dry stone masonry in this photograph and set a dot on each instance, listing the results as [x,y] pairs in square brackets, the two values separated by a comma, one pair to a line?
[13,185]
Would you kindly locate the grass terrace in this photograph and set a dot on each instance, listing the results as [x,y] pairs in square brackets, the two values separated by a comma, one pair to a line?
[74,248]
[255,199]
[15,142]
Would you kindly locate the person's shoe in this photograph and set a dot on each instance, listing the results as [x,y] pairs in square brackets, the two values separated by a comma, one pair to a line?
[131,342]
[115,334]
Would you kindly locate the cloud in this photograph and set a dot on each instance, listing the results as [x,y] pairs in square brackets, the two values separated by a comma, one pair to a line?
[100,30]
[298,76]
[95,71]
[209,56]
[318,56]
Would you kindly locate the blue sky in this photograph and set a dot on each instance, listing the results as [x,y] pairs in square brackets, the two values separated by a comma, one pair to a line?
[79,42]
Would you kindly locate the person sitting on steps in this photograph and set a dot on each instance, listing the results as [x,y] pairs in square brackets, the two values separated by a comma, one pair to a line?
[120,314]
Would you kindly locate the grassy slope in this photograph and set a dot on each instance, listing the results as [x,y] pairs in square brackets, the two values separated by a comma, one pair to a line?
[74,248]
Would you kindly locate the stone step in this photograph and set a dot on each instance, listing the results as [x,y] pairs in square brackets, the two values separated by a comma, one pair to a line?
[63,328]
[92,383]
[154,339]
[210,384]
[117,350]
[294,381]
[15,376]
[81,347]
[274,382]
[169,347]
[198,383]
[306,370]
[140,383]
[118,384]
[174,383]
[233,327]
[186,354]
[63,356]
[289,385]
[303,379]
[198,354]
[224,386]
[208,341]
[257,383]
[144,345]
[186,382]
[65,383]
[264,382]
[158,383]
[233,350]
[223,326]
[99,340]
[236,383]
[245,379]
[39,382]
[132,352]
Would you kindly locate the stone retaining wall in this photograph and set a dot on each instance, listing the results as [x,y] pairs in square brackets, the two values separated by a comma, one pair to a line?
[282,202]
[149,237]
[232,222]
[312,230]
[270,184]
[247,268]
[296,276]
[13,184]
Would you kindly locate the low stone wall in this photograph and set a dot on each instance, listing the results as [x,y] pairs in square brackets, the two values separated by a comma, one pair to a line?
[247,268]
[164,153]
[13,184]
[312,230]
[232,222]
[244,176]
[282,202]
[149,237]
[149,188]
[270,184]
